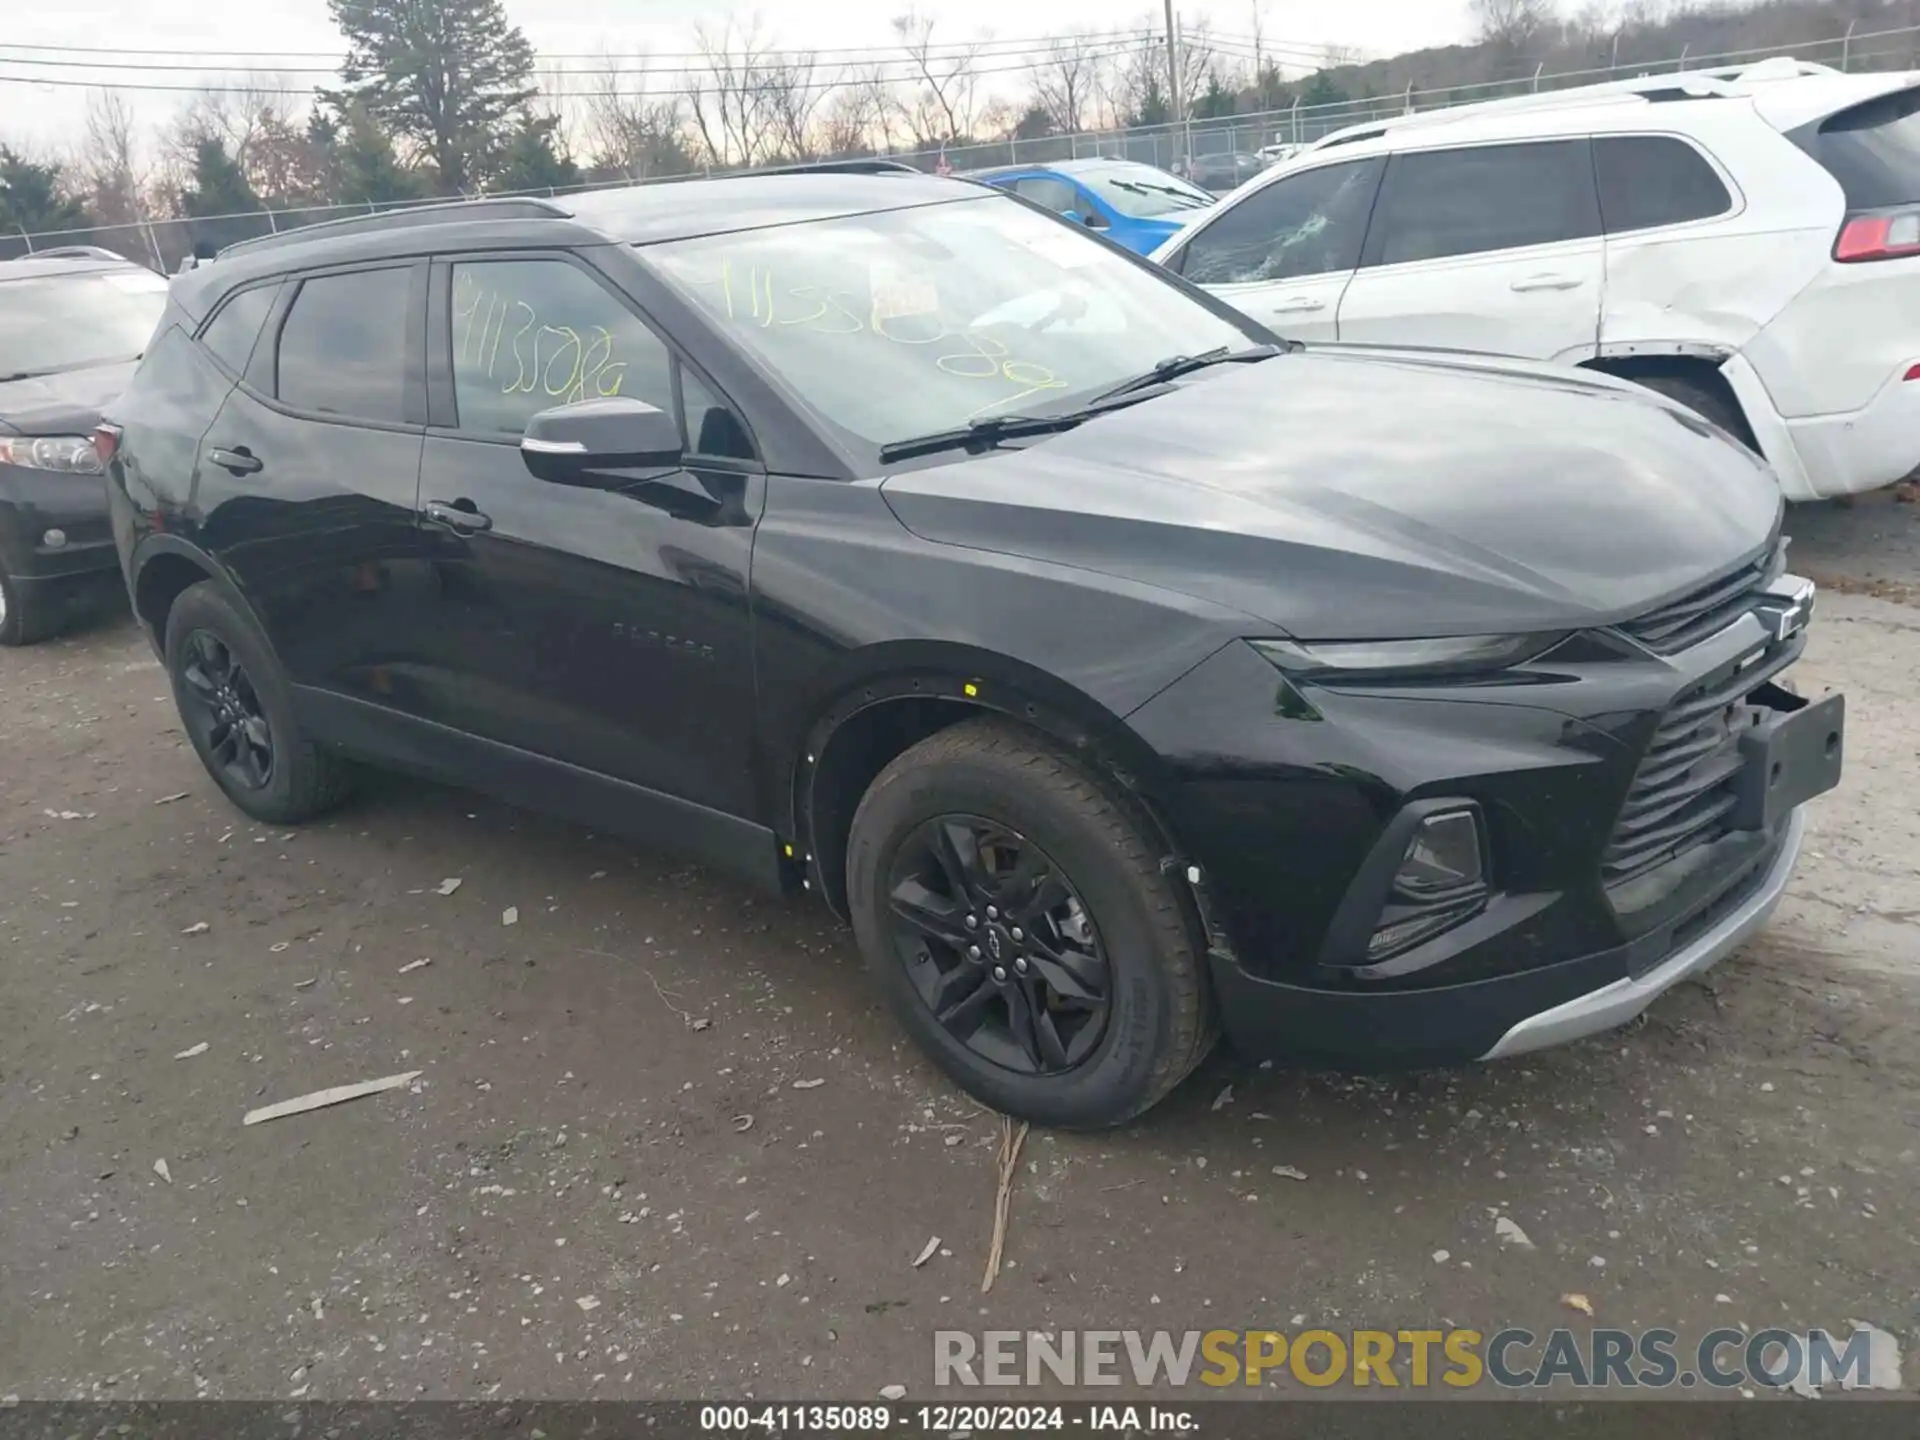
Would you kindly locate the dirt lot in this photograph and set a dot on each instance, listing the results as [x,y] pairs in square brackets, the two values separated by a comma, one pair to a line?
[664,1142]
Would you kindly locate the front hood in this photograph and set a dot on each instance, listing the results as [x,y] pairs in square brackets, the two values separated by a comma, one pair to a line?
[1375,494]
[67,403]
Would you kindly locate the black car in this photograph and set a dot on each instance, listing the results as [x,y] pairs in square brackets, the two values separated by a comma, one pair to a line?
[72,324]
[1121,671]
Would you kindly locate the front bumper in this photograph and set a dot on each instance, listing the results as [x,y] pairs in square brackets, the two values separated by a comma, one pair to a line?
[54,527]
[1614,1004]
[1288,814]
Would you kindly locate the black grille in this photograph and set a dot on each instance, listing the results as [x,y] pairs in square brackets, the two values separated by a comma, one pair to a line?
[1683,792]
[1703,612]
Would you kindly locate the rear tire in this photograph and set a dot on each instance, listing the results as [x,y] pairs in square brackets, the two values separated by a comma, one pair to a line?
[237,706]
[23,620]
[1137,936]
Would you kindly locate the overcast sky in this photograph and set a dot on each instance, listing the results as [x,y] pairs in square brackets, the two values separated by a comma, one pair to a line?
[44,117]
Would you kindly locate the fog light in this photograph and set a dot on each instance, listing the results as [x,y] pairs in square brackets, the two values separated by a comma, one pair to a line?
[54,539]
[1441,882]
[1444,856]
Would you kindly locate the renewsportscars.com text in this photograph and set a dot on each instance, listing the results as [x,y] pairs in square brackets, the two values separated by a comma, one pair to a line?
[1416,1359]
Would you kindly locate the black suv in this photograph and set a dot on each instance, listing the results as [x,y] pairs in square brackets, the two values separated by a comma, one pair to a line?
[1120,670]
[72,323]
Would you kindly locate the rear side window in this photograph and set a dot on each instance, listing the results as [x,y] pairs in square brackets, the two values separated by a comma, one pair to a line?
[1873,150]
[1056,195]
[1308,224]
[1443,203]
[1652,180]
[234,330]
[343,348]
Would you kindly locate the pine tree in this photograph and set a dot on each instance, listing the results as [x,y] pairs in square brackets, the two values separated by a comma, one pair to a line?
[450,76]
[534,159]
[362,167]
[30,198]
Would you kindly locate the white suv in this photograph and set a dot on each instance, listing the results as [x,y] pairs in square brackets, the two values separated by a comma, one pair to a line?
[1746,241]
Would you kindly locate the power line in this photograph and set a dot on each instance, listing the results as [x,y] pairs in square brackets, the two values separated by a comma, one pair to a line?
[271,59]
[693,75]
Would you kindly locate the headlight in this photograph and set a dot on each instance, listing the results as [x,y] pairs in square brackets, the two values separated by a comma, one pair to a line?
[72,453]
[1369,659]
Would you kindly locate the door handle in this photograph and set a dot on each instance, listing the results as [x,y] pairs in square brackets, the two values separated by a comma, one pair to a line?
[1547,282]
[458,517]
[239,460]
[1299,305]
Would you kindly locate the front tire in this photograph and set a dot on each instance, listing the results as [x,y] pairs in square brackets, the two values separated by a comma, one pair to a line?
[237,707]
[1018,921]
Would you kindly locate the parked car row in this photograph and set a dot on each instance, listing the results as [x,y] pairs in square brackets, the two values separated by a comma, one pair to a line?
[1124,671]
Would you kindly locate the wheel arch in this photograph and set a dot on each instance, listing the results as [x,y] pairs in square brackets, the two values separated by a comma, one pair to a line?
[904,694]
[164,567]
[1700,364]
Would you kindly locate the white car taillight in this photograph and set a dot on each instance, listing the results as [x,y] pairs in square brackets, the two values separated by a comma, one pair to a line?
[1883,235]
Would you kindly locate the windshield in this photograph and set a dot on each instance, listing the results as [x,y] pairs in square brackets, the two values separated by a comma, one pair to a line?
[907,322]
[51,323]
[1142,192]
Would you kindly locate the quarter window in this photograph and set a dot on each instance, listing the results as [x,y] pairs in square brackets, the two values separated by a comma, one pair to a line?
[1441,203]
[1652,180]
[344,345]
[234,330]
[1308,224]
[532,334]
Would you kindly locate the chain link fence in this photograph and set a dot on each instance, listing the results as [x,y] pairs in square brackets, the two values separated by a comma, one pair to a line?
[164,242]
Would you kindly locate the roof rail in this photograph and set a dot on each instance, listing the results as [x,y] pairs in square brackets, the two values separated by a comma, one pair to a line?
[1706,84]
[875,166]
[77,252]
[444,212]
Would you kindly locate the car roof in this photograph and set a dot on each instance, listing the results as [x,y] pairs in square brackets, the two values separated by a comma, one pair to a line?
[645,214]
[34,267]
[1083,165]
[1782,91]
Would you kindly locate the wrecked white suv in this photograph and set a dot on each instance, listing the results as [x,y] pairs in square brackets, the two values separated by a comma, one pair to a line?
[1746,241]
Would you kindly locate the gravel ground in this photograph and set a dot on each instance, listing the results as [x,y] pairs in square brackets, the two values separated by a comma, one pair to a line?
[664,1142]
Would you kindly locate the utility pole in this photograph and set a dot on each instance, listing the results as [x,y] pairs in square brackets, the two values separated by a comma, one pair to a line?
[1175,108]
[1259,55]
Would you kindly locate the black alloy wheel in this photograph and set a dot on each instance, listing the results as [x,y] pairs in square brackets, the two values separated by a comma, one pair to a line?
[219,701]
[999,945]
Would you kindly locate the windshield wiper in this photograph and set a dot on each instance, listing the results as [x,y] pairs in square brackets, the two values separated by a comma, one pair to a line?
[990,431]
[1142,187]
[1174,366]
[983,433]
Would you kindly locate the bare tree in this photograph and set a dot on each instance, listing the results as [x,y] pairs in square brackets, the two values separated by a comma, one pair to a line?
[1067,85]
[233,115]
[945,104]
[728,95]
[633,132]
[859,118]
[108,162]
[790,96]
[1514,27]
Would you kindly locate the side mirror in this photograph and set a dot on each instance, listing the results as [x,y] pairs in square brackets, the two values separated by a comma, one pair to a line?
[569,444]
[1072,217]
[1095,220]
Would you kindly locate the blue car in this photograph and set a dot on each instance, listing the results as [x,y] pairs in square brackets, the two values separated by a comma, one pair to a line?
[1133,204]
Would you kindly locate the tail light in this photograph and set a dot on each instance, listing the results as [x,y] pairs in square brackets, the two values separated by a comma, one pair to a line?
[106,442]
[1883,235]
